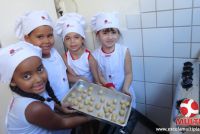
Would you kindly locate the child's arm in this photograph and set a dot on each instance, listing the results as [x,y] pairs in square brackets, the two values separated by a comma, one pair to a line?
[104,82]
[65,108]
[128,73]
[94,69]
[40,114]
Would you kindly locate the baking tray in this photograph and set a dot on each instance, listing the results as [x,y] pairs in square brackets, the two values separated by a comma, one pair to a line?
[99,102]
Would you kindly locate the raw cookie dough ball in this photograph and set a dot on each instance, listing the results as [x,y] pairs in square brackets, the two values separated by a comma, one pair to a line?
[102,99]
[122,112]
[80,106]
[75,102]
[123,106]
[114,101]
[80,90]
[89,93]
[109,103]
[87,102]
[113,107]
[90,88]
[69,100]
[100,114]
[98,106]
[73,95]
[122,102]
[114,117]
[90,109]
[107,115]
[83,96]
[100,92]
[127,103]
[92,99]
[110,110]
[106,109]
[121,121]
[79,99]
[85,91]
[91,103]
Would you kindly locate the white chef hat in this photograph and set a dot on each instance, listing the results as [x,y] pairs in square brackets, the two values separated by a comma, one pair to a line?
[12,55]
[104,20]
[70,22]
[31,20]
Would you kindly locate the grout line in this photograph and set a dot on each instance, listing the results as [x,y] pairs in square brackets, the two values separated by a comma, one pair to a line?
[191,29]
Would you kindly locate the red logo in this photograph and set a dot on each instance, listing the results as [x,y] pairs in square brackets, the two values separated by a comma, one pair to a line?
[12,51]
[43,17]
[105,21]
[189,108]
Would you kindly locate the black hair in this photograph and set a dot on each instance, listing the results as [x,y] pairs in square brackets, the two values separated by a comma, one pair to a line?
[37,96]
[110,30]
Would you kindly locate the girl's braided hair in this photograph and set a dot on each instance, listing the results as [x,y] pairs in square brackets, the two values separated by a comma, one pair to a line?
[37,96]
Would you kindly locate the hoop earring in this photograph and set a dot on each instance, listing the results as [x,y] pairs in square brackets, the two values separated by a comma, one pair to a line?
[13,84]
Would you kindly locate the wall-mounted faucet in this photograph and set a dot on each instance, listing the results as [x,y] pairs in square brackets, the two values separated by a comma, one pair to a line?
[59,5]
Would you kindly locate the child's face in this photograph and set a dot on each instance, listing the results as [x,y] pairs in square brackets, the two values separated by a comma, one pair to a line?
[108,37]
[30,76]
[73,42]
[43,37]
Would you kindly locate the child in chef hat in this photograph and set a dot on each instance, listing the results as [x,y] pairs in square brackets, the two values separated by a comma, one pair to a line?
[113,58]
[81,64]
[31,108]
[36,27]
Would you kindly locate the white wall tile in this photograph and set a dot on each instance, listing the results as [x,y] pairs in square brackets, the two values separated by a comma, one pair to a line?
[196,3]
[141,108]
[160,116]
[195,50]
[59,46]
[182,50]
[133,40]
[182,34]
[133,21]
[178,67]
[174,93]
[182,17]
[161,18]
[158,42]
[95,41]
[182,4]
[164,4]
[195,34]
[139,91]
[89,41]
[148,20]
[138,68]
[159,94]
[158,69]
[196,16]
[147,5]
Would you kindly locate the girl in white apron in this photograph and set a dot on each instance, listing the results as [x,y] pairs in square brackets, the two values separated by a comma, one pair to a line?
[81,64]
[31,110]
[114,59]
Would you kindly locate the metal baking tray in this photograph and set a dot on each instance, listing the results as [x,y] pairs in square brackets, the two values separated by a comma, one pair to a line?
[99,102]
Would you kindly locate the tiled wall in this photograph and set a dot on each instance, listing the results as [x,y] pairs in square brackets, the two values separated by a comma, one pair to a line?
[161,37]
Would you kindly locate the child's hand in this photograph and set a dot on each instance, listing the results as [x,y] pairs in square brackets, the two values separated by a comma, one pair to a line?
[126,92]
[66,108]
[83,78]
[109,85]
[112,88]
